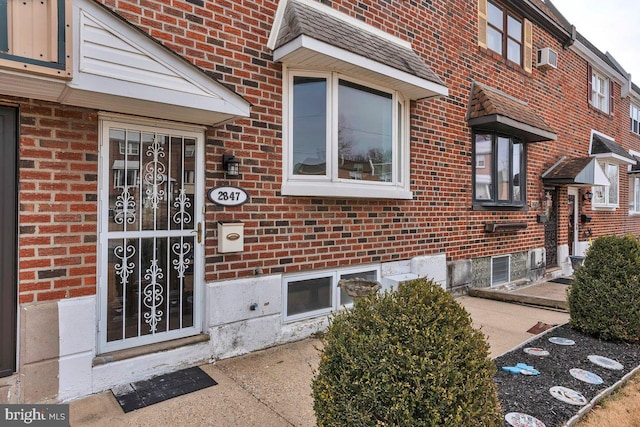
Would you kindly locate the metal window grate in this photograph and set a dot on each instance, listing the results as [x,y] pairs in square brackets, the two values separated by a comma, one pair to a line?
[500,270]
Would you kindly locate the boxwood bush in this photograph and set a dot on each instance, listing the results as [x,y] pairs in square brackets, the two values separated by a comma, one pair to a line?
[604,298]
[405,358]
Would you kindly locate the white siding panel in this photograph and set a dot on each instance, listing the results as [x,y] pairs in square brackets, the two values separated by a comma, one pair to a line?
[106,54]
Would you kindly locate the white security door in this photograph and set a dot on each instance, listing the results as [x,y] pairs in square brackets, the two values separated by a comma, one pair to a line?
[151,234]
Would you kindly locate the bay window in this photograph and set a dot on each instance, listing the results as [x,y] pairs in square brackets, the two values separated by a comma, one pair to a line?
[499,170]
[345,138]
[607,196]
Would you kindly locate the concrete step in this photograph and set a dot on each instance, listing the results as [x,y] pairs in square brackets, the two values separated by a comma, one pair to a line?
[552,273]
[535,300]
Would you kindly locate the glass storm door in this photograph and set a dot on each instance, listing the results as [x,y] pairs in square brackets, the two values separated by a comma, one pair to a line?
[151,231]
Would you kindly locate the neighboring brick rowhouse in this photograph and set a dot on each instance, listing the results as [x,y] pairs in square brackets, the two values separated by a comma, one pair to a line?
[58,170]
[58,211]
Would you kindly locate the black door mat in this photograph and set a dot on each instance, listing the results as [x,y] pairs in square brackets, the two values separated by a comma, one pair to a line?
[563,280]
[163,387]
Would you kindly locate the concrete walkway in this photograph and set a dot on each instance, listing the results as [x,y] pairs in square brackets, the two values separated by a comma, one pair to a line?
[272,388]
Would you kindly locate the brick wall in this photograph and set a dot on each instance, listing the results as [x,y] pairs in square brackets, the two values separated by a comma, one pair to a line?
[58,170]
[286,234]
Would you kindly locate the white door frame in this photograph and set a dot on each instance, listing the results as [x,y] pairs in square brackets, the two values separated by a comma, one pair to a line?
[107,121]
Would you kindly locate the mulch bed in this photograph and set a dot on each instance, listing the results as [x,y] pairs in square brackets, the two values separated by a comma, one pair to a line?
[530,394]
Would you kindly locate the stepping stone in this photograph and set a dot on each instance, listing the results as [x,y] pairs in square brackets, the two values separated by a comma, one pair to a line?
[605,362]
[586,376]
[561,341]
[536,351]
[518,419]
[568,395]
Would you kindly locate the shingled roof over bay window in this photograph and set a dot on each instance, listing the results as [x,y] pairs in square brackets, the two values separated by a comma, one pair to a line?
[494,110]
[580,171]
[604,147]
[308,34]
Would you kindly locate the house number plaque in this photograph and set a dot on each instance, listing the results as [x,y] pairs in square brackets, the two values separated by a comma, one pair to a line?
[228,196]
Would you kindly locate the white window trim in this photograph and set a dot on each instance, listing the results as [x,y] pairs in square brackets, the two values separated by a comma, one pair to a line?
[606,205]
[632,199]
[335,292]
[597,94]
[636,118]
[631,195]
[330,185]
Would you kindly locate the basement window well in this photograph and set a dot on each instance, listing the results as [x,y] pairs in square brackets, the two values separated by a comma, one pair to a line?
[500,270]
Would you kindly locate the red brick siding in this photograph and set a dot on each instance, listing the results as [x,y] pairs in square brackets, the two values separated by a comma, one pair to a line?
[287,234]
[58,171]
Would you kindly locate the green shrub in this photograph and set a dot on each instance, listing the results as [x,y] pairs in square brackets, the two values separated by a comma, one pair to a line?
[406,358]
[604,298]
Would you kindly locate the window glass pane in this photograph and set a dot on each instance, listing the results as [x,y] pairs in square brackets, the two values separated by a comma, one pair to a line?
[612,174]
[399,144]
[365,142]
[598,195]
[514,28]
[632,194]
[513,51]
[368,275]
[494,40]
[309,126]
[636,194]
[516,170]
[483,169]
[601,86]
[308,295]
[503,168]
[495,15]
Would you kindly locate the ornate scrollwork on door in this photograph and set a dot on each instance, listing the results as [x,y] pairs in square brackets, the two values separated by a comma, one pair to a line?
[153,295]
[182,203]
[125,208]
[181,264]
[125,267]
[154,176]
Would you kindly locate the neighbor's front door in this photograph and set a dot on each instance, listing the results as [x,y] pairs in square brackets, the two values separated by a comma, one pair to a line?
[8,239]
[151,234]
[550,208]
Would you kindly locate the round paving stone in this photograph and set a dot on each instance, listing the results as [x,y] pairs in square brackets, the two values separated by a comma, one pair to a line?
[561,341]
[518,419]
[605,362]
[568,395]
[536,351]
[586,376]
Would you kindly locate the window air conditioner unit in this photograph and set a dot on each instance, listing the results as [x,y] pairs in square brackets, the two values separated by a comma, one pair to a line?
[547,59]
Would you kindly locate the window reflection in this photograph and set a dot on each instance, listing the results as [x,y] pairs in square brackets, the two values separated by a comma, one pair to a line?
[361,143]
[364,133]
[309,126]
[499,169]
[484,173]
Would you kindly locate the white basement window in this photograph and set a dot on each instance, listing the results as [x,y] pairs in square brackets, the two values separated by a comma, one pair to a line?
[317,294]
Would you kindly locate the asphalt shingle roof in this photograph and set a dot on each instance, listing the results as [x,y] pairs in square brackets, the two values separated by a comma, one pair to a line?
[568,169]
[300,19]
[486,101]
[602,145]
